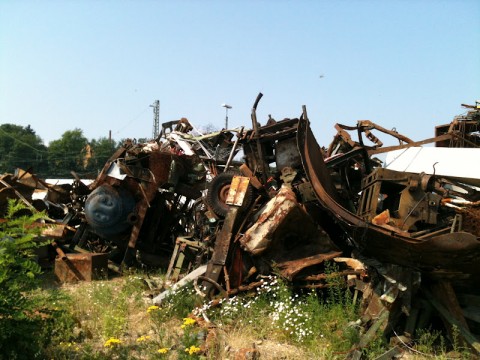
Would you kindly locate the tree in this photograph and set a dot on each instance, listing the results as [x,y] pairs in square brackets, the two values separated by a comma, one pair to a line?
[68,154]
[22,148]
[209,128]
[101,150]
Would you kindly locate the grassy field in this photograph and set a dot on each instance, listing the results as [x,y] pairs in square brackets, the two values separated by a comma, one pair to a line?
[115,319]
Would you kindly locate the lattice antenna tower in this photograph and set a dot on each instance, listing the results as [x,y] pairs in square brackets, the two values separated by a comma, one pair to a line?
[156,118]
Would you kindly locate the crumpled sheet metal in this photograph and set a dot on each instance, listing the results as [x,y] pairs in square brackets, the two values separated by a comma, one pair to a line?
[284,205]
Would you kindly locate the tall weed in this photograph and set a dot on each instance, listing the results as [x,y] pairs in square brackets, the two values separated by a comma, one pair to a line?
[21,318]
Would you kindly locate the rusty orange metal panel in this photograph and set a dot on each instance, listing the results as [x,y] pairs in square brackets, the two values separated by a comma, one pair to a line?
[81,267]
[237,190]
[260,235]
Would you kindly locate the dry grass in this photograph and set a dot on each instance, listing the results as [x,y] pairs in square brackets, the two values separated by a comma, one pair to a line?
[114,319]
[117,308]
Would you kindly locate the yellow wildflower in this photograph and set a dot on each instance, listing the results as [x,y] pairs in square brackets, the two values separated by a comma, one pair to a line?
[162,350]
[143,338]
[112,342]
[188,322]
[152,308]
[67,344]
[192,350]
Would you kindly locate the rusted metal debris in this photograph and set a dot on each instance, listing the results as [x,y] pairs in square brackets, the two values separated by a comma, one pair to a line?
[81,267]
[407,242]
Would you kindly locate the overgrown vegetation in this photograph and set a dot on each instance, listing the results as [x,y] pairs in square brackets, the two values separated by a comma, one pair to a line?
[27,323]
[113,319]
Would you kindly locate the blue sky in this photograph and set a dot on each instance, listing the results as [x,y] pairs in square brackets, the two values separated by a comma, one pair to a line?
[98,65]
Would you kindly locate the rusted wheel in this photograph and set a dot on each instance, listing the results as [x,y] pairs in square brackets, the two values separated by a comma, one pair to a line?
[210,293]
[218,190]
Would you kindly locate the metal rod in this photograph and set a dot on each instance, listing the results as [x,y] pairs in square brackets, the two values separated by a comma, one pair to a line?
[257,138]
[232,153]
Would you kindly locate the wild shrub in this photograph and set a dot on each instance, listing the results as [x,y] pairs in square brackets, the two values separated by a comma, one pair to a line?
[20,317]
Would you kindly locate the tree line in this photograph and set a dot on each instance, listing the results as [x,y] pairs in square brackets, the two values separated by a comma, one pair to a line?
[21,147]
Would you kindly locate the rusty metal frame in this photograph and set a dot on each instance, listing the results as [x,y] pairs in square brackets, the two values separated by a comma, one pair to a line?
[434,253]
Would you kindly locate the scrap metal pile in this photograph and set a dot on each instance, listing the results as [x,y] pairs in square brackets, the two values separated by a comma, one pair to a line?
[236,205]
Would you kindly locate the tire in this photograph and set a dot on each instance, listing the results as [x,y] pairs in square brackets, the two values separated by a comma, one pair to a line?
[217,193]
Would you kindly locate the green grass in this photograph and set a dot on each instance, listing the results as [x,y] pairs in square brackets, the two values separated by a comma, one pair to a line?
[317,325]
[113,319]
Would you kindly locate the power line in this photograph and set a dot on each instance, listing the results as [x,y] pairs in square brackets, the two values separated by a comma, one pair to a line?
[20,141]
[135,118]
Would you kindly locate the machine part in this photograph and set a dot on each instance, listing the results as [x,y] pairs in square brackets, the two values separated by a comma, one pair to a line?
[408,204]
[218,190]
[288,175]
[286,154]
[108,210]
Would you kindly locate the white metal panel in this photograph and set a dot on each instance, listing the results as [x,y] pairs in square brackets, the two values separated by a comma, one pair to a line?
[459,163]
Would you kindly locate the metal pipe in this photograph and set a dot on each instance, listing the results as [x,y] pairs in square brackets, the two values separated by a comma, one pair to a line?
[232,153]
[257,138]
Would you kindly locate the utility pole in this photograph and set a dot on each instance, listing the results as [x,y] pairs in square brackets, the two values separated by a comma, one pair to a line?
[156,118]
[226,114]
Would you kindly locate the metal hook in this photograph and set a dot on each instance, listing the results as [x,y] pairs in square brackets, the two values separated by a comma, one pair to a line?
[434,168]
